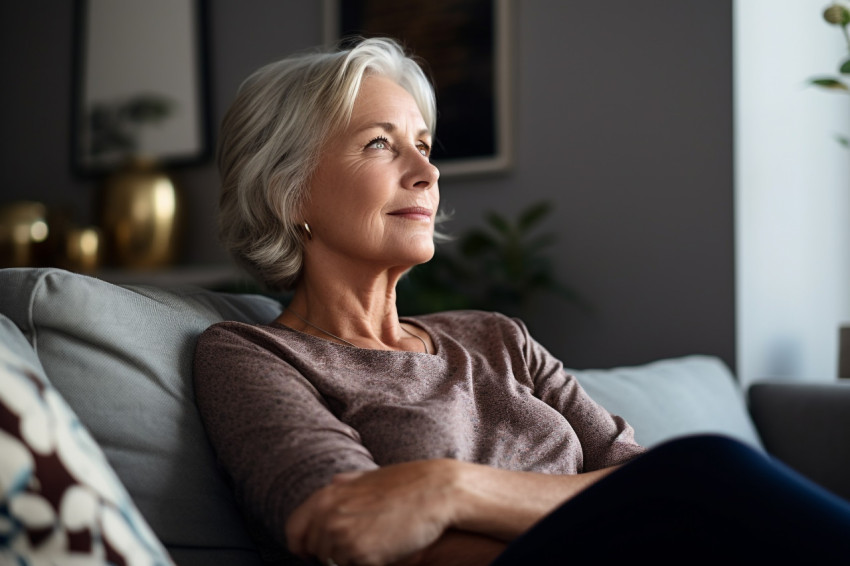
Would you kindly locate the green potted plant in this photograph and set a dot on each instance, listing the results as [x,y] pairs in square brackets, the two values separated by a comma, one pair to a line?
[499,266]
[837,14]
[115,127]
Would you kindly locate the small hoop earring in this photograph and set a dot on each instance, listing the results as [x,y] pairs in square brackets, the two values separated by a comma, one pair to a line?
[309,232]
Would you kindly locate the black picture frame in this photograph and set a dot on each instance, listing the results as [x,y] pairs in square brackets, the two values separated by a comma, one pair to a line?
[466,46]
[192,104]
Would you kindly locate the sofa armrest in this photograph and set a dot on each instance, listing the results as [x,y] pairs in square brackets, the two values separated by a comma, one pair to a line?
[807,426]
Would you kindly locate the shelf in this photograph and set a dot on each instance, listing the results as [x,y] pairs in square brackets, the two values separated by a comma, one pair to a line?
[214,276]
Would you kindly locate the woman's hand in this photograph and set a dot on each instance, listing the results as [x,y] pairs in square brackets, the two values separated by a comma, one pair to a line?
[397,513]
[376,517]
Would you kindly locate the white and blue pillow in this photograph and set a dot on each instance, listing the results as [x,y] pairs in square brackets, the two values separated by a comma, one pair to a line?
[60,501]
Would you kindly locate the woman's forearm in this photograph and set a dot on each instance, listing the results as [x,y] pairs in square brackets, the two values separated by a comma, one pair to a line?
[504,504]
[406,510]
[457,548]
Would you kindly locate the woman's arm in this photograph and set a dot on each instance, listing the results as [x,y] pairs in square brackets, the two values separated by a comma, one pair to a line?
[457,548]
[504,504]
[386,515]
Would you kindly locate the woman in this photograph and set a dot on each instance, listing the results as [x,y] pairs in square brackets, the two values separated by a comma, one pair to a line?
[355,436]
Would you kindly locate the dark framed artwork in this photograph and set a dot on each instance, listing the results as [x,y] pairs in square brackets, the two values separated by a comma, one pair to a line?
[466,48]
[141,85]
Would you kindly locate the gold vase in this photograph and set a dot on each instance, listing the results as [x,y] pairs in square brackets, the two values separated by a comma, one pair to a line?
[140,216]
[82,249]
[23,234]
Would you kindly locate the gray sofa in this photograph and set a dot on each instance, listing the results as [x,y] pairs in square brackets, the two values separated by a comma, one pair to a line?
[110,366]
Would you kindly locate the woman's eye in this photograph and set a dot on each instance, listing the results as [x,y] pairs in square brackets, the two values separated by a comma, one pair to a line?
[424,149]
[378,143]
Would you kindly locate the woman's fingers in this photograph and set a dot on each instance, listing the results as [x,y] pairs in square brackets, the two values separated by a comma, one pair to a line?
[304,525]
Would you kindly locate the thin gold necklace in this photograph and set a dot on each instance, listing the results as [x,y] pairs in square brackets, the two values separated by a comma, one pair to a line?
[307,322]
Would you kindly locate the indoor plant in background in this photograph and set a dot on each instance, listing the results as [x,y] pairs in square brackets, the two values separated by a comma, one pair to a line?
[838,14]
[499,266]
[138,208]
[115,127]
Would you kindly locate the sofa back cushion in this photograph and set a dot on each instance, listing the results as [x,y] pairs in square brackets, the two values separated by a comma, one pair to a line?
[122,358]
[674,397]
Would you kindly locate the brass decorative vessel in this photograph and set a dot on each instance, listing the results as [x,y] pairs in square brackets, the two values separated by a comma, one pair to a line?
[23,234]
[139,216]
[82,249]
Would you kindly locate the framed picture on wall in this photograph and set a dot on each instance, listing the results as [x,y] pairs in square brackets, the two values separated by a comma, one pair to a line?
[140,84]
[465,45]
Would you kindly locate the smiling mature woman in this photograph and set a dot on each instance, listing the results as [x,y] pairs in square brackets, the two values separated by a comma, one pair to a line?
[271,142]
[354,436]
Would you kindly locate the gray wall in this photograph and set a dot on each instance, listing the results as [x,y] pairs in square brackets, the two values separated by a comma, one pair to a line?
[623,119]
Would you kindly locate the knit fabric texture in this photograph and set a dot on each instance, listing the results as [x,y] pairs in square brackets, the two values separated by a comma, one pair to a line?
[285,410]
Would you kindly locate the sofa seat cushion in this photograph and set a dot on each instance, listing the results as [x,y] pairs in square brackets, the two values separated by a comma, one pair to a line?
[674,397]
[60,501]
[122,358]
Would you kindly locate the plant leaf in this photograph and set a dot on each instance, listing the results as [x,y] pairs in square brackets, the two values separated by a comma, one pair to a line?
[540,242]
[147,109]
[845,67]
[833,84]
[500,266]
[477,242]
[499,222]
[532,215]
[836,14]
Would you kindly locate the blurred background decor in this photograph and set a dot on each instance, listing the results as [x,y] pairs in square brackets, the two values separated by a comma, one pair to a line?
[838,14]
[501,266]
[33,235]
[23,233]
[140,216]
[115,128]
[138,202]
[638,164]
[139,64]
[82,250]
[465,47]
[140,110]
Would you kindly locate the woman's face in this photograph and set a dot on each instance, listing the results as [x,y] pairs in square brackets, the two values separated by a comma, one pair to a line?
[374,195]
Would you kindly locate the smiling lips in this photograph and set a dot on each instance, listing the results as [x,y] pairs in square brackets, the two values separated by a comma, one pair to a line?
[413,213]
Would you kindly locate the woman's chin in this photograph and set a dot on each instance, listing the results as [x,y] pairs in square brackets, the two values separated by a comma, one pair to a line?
[426,256]
[413,260]
[419,252]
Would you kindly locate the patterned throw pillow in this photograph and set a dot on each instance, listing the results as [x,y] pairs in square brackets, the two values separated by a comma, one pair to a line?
[60,501]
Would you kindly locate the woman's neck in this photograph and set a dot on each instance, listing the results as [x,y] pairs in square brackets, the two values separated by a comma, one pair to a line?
[357,311]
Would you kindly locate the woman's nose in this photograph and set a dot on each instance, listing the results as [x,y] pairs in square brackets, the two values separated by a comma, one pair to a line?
[422,174]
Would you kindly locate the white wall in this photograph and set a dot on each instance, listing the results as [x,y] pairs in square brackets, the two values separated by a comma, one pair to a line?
[792,202]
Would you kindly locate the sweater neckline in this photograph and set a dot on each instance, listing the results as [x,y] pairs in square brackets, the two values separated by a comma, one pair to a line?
[409,320]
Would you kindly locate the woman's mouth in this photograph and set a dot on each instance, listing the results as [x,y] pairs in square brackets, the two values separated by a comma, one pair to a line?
[414,213]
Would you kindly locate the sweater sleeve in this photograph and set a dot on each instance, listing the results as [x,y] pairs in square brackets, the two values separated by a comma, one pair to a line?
[271,430]
[606,439]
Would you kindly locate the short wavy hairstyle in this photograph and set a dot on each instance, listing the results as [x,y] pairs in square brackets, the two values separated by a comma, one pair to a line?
[270,140]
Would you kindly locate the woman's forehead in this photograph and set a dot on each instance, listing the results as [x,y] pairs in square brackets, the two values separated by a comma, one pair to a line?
[385,103]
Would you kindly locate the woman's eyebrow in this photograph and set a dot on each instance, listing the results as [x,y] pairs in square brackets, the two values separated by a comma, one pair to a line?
[389,127]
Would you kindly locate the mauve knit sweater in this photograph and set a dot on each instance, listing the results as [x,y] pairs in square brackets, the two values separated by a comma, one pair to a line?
[285,411]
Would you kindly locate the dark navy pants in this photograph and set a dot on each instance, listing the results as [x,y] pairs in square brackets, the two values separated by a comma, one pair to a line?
[696,500]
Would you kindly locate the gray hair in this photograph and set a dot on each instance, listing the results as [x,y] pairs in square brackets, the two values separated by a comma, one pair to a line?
[270,140]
